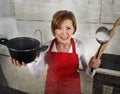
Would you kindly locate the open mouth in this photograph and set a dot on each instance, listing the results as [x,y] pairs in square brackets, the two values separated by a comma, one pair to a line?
[64,38]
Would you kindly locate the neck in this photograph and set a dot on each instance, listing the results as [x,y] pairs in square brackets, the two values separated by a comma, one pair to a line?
[63,47]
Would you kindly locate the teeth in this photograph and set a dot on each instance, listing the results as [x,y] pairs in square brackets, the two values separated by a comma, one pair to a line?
[64,37]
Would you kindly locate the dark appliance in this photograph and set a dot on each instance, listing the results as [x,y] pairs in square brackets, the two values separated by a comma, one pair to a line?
[107,77]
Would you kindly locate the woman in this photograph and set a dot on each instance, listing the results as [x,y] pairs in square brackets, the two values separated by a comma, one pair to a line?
[64,56]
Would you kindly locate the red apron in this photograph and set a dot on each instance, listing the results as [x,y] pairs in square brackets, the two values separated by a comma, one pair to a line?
[62,75]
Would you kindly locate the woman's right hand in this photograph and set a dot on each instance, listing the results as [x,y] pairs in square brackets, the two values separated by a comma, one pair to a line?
[17,63]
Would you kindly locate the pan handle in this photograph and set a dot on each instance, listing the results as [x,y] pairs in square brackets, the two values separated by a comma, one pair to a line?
[3,41]
[42,48]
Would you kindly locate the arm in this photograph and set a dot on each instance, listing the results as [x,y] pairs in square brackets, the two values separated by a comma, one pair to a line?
[37,67]
[86,66]
[93,63]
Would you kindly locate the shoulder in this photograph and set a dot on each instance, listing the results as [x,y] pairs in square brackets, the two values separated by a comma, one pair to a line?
[48,44]
[78,43]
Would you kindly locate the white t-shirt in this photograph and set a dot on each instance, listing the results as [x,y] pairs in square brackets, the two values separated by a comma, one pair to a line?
[37,68]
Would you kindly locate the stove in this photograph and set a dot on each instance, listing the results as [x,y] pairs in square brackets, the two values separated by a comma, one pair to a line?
[107,77]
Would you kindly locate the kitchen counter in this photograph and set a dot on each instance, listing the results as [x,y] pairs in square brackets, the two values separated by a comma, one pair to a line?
[108,72]
[4,89]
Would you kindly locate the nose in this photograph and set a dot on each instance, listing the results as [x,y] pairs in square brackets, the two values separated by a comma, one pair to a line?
[64,31]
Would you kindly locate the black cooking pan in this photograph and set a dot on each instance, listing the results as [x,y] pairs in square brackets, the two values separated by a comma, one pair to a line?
[23,48]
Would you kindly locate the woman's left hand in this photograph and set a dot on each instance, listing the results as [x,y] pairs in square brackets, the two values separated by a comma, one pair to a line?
[94,63]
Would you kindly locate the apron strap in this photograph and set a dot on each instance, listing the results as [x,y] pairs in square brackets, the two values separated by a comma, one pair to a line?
[72,41]
[51,45]
[73,45]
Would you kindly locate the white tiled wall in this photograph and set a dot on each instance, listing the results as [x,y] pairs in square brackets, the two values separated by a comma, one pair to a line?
[24,17]
[8,29]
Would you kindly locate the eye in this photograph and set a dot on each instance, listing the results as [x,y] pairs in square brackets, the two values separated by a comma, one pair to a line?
[59,28]
[68,28]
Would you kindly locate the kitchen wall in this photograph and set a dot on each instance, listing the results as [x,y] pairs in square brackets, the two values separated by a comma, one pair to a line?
[24,17]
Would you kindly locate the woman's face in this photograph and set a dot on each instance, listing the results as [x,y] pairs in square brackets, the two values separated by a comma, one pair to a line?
[64,33]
